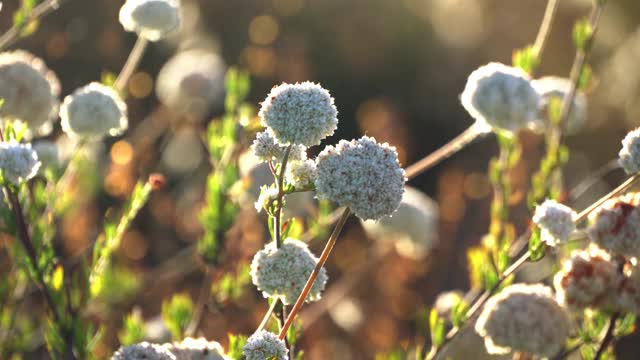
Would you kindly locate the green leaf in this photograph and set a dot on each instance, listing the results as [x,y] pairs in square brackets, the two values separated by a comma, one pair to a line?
[236,343]
[536,246]
[526,59]
[132,329]
[437,327]
[177,314]
[626,325]
[582,33]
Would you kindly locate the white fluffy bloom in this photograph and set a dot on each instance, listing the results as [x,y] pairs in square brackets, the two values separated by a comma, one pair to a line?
[198,349]
[615,226]
[48,153]
[524,318]
[151,19]
[550,87]
[363,175]
[413,228]
[283,272]
[627,298]
[93,110]
[265,345]
[266,148]
[301,174]
[144,351]
[29,91]
[586,279]
[267,194]
[501,97]
[555,221]
[299,113]
[19,162]
[629,155]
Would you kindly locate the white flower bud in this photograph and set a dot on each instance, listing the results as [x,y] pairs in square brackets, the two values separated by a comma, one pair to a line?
[143,351]
[283,272]
[629,155]
[501,97]
[265,345]
[18,162]
[362,174]
[266,148]
[267,194]
[555,221]
[151,19]
[615,225]
[524,318]
[301,174]
[299,113]
[94,110]
[550,87]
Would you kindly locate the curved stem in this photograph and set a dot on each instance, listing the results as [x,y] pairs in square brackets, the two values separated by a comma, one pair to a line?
[593,178]
[40,11]
[267,315]
[545,28]
[131,64]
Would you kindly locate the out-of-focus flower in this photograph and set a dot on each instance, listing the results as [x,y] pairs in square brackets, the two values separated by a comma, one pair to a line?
[629,155]
[48,153]
[198,349]
[413,228]
[299,113]
[615,226]
[29,91]
[266,148]
[18,162]
[524,318]
[192,82]
[265,345]
[151,19]
[143,351]
[93,110]
[555,221]
[363,175]
[627,298]
[501,97]
[550,87]
[283,272]
[301,174]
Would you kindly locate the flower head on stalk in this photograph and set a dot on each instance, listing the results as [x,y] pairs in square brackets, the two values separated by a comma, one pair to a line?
[151,19]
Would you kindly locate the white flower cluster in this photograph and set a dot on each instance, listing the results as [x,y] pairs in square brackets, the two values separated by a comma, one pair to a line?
[92,111]
[301,113]
[301,174]
[198,349]
[555,221]
[615,226]
[587,279]
[264,345]
[29,91]
[151,19]
[266,148]
[362,174]
[267,194]
[501,97]
[413,228]
[627,297]
[144,351]
[283,272]
[553,87]
[48,153]
[18,162]
[629,155]
[524,318]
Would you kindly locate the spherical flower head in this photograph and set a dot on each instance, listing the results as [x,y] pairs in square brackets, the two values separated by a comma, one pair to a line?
[586,279]
[524,318]
[18,162]
[363,175]
[143,351]
[555,221]
[615,226]
[301,174]
[413,228]
[265,345]
[301,113]
[627,298]
[283,272]
[553,87]
[501,97]
[151,19]
[629,155]
[48,153]
[29,91]
[94,110]
[198,349]
[266,148]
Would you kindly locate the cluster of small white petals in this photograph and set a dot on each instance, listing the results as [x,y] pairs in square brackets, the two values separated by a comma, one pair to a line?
[301,174]
[502,97]
[198,349]
[586,279]
[553,87]
[18,162]
[363,175]
[144,351]
[555,221]
[151,19]
[629,155]
[301,113]
[283,272]
[627,298]
[92,111]
[615,226]
[29,90]
[265,345]
[524,318]
[266,148]
[267,194]
[48,153]
[413,228]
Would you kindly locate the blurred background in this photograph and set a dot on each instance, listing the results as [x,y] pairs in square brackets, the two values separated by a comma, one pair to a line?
[395,69]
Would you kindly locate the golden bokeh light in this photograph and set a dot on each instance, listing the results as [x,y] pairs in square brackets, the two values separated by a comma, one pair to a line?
[263,30]
[121,152]
[140,85]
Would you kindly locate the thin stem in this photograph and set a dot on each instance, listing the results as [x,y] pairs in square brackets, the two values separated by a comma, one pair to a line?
[608,336]
[268,314]
[205,289]
[545,28]
[622,187]
[131,64]
[278,216]
[39,12]
[323,259]
[593,178]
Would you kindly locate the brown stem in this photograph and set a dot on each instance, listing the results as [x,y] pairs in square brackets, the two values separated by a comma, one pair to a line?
[545,28]
[131,64]
[608,336]
[278,216]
